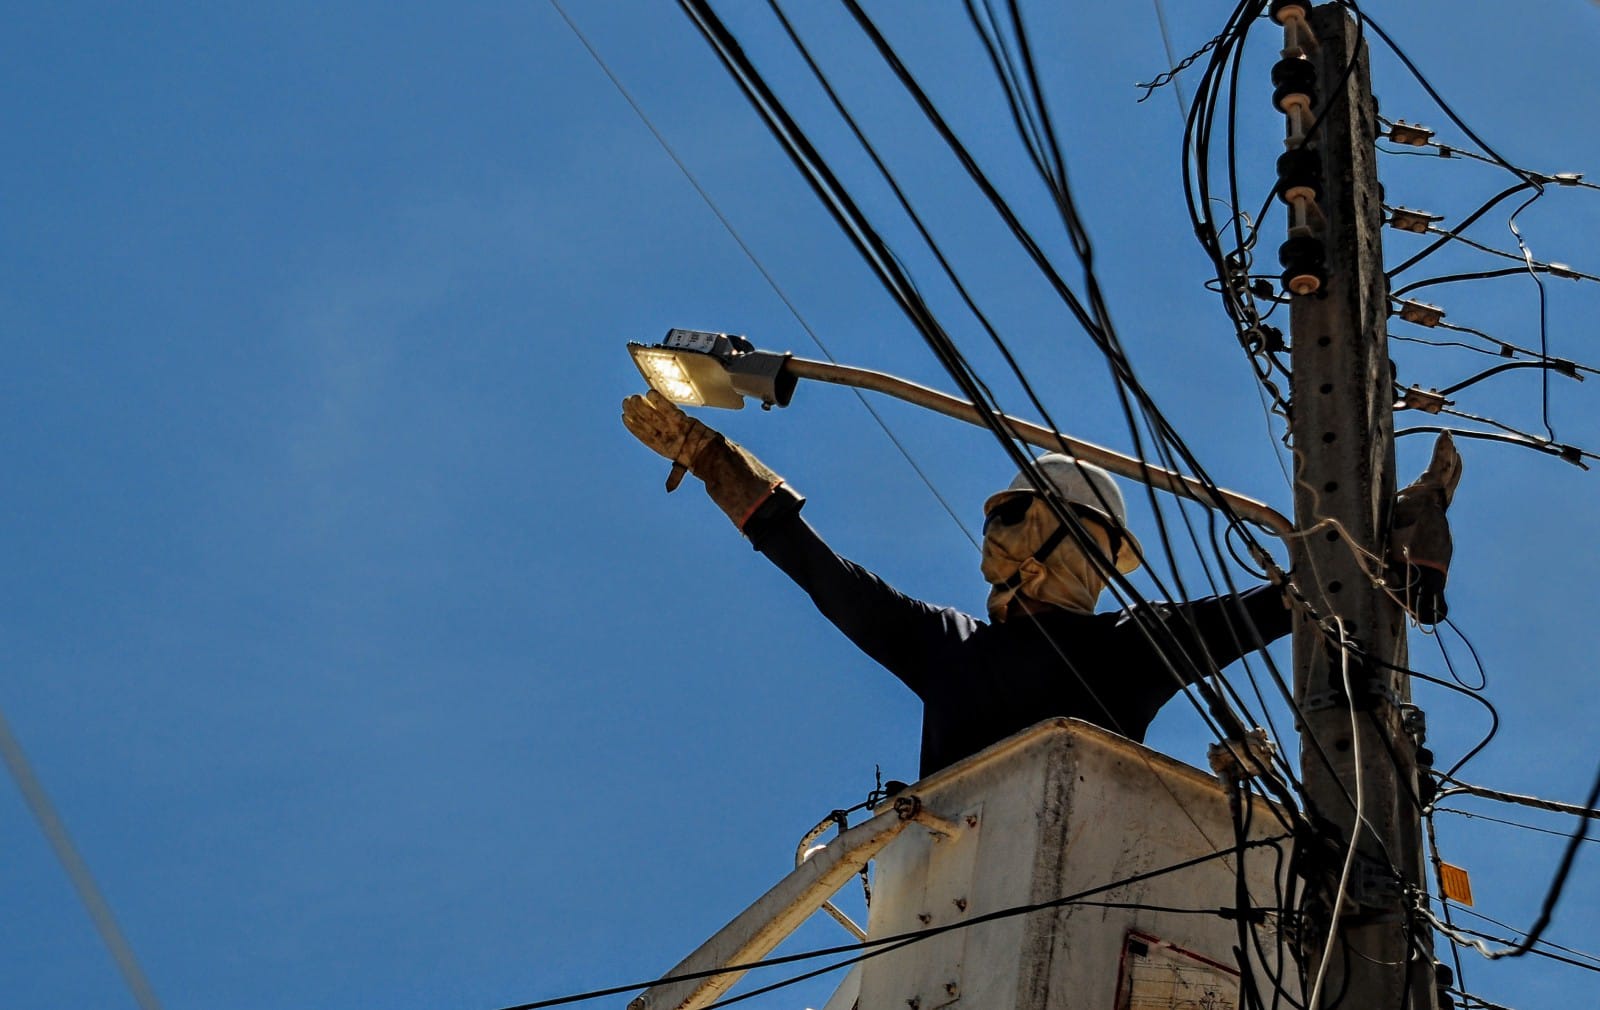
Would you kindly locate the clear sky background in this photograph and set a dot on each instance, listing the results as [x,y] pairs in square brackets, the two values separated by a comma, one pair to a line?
[354,638]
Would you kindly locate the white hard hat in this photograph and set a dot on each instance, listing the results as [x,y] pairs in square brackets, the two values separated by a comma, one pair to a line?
[1085,486]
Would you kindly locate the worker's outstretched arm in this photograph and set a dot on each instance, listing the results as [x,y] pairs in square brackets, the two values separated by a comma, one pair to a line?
[899,632]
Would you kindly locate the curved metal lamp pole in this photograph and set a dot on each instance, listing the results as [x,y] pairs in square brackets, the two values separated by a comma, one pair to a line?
[1157,477]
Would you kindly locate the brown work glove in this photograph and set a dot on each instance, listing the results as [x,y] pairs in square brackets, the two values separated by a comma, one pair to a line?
[735,480]
[1419,538]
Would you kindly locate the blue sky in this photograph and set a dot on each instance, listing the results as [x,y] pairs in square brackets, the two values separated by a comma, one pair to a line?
[355,640]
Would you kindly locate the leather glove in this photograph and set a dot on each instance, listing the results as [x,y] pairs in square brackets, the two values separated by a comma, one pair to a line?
[737,481]
[1420,544]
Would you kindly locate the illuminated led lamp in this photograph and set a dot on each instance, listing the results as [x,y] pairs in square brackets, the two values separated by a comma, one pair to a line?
[698,368]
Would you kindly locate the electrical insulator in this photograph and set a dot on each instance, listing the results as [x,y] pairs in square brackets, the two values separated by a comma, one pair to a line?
[1299,175]
[1410,134]
[1429,401]
[1294,81]
[1427,785]
[1443,976]
[1421,313]
[1304,264]
[1415,221]
[1284,11]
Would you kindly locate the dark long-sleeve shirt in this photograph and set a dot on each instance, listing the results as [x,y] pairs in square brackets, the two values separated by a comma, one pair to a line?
[981,682]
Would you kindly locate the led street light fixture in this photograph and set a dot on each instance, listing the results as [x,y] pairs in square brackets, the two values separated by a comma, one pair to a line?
[701,369]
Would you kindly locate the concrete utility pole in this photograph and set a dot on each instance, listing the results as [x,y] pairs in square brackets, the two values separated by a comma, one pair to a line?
[1342,404]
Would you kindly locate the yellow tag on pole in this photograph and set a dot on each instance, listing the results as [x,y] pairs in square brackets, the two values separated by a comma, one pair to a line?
[1456,884]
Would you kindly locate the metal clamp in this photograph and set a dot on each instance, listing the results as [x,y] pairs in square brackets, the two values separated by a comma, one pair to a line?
[910,808]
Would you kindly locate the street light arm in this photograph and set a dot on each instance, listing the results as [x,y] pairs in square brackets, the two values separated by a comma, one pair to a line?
[1037,435]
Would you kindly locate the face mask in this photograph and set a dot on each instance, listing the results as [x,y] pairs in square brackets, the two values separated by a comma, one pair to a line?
[1066,578]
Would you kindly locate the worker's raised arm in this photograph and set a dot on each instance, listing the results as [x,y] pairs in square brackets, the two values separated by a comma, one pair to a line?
[894,629]
[904,634]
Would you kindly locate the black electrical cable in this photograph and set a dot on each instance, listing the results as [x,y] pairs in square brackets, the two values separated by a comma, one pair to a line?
[1528,266]
[1456,934]
[1332,99]
[1279,960]
[1494,718]
[1566,368]
[1502,348]
[911,936]
[805,976]
[1444,106]
[1544,313]
[1510,824]
[1447,151]
[1324,757]
[1476,275]
[1483,674]
[847,962]
[1066,205]
[1583,954]
[1477,660]
[937,121]
[1571,453]
[1241,812]
[849,216]
[1529,180]
[755,261]
[1553,895]
[948,269]
[837,211]
[1443,343]
[1471,219]
[1050,166]
[1494,714]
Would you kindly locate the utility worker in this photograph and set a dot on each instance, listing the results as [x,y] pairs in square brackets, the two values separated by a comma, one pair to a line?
[1044,652]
